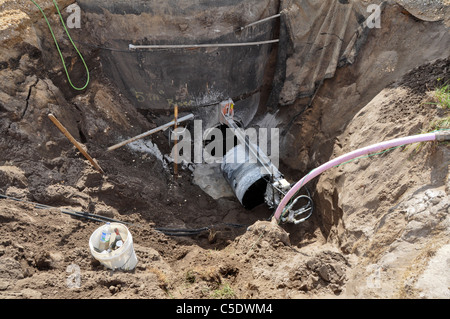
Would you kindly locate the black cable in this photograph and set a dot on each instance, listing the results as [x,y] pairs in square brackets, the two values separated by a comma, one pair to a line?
[88,216]
[103,219]
[180,234]
[235,225]
[104,48]
[172,230]
[305,207]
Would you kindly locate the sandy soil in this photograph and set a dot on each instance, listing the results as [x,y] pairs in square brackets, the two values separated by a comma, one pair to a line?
[367,239]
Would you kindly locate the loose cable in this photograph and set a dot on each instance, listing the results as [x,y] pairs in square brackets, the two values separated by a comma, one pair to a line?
[104,219]
[59,50]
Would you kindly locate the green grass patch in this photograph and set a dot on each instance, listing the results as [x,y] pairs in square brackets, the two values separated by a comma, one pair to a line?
[440,124]
[442,96]
[224,292]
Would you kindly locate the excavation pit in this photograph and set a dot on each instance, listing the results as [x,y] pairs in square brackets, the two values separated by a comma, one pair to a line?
[191,242]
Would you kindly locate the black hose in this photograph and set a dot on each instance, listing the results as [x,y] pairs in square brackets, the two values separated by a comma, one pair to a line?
[103,219]
[85,215]
[180,234]
[171,230]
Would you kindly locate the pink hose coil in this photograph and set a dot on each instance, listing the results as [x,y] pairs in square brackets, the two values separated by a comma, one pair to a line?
[346,157]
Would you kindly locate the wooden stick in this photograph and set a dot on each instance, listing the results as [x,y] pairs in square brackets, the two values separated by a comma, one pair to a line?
[162,127]
[74,142]
[175,159]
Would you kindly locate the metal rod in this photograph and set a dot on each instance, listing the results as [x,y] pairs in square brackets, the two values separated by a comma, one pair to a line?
[209,45]
[259,156]
[157,129]
[260,21]
[175,161]
[75,142]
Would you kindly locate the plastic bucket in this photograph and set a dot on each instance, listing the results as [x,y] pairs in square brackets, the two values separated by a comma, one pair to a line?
[123,258]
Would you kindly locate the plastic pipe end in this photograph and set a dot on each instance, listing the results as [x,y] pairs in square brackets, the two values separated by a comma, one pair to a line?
[443,136]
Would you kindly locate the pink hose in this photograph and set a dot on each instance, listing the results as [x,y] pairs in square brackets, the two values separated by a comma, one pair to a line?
[346,157]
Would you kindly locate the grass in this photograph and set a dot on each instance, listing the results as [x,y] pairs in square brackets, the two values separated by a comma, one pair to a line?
[436,125]
[441,97]
[224,292]
[199,273]
[214,288]
[163,281]
[439,124]
[190,276]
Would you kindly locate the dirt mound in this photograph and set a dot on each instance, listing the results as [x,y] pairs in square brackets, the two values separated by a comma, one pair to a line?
[270,233]
[327,269]
[412,182]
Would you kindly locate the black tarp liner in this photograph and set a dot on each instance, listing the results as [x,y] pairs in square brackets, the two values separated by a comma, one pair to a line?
[316,37]
[191,78]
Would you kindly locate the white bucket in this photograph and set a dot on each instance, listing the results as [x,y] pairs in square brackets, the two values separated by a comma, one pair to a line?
[123,258]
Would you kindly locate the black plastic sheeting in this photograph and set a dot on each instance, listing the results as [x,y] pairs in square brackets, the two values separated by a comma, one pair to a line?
[157,79]
[316,37]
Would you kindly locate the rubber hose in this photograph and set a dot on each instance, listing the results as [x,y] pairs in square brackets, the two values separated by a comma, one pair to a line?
[357,153]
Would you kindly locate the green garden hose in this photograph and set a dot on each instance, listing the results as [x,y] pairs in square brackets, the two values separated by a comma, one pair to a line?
[59,51]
